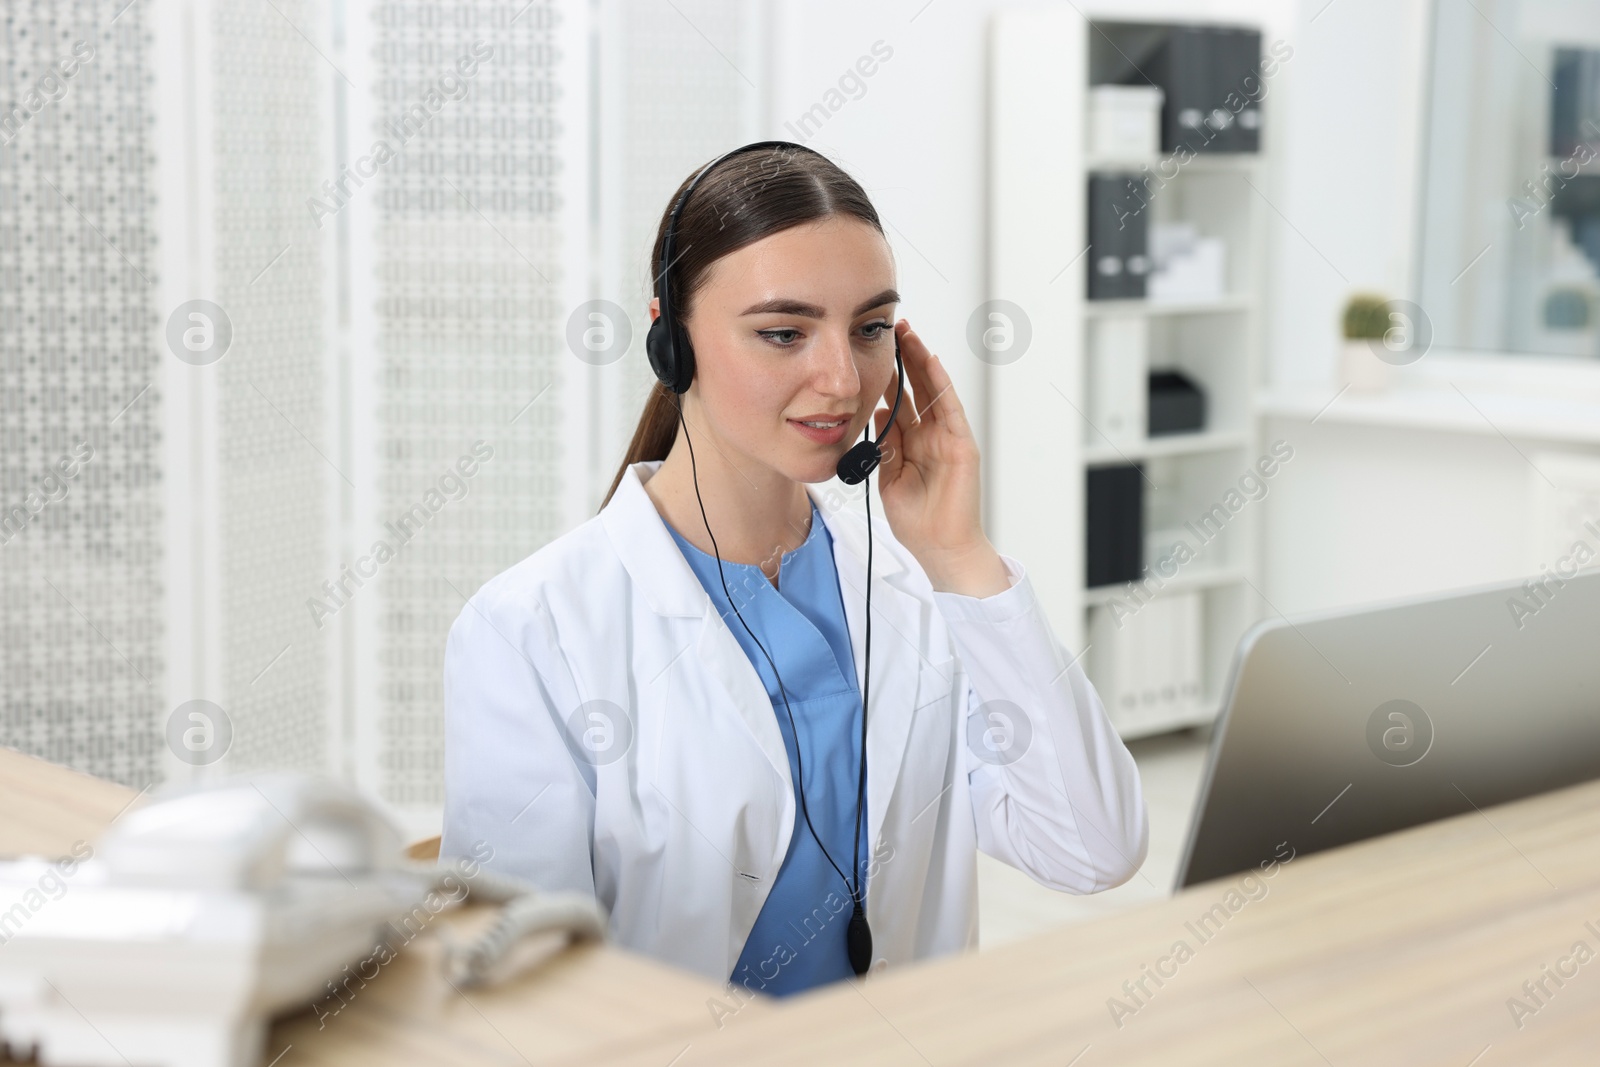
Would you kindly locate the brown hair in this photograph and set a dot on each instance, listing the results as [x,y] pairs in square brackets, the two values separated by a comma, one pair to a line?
[750,196]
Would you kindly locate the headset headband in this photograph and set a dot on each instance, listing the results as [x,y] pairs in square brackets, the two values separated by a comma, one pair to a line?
[669,243]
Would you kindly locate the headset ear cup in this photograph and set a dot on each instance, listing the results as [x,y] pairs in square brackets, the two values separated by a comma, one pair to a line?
[658,351]
[673,364]
[683,364]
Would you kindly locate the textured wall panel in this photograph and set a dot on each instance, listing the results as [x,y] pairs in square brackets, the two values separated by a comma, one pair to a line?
[468,260]
[81,638]
[271,88]
[470,332]
[691,81]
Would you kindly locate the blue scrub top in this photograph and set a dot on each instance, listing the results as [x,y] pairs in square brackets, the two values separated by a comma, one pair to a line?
[798,941]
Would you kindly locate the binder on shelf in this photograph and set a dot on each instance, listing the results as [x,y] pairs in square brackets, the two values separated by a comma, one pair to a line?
[1146,664]
[1114,517]
[1181,66]
[1239,88]
[1210,78]
[1191,669]
[1181,681]
[1118,352]
[1119,256]
[1112,664]
[1574,101]
[1158,653]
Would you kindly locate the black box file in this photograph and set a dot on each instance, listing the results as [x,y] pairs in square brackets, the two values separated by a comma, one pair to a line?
[1176,404]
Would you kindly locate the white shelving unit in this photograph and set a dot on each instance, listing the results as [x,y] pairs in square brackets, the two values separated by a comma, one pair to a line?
[1041,439]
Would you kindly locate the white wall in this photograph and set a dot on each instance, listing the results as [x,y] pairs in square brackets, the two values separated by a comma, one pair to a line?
[1345,205]
[1374,513]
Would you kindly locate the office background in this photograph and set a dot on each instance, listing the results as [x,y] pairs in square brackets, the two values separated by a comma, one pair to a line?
[284,282]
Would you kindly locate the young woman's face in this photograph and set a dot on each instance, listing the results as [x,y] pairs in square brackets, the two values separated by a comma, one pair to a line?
[797,326]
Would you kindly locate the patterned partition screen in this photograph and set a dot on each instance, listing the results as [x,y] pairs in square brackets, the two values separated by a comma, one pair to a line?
[275,458]
[692,89]
[470,261]
[400,316]
[82,662]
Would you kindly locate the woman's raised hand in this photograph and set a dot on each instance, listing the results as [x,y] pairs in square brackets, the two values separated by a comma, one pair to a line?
[928,479]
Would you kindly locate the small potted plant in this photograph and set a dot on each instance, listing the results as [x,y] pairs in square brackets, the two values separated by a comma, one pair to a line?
[1366,322]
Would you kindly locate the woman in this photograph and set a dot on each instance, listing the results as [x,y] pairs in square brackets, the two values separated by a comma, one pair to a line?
[665,707]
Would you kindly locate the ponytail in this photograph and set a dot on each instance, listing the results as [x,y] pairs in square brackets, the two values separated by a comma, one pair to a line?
[653,437]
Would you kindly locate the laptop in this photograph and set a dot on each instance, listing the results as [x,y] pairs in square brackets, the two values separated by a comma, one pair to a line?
[1345,724]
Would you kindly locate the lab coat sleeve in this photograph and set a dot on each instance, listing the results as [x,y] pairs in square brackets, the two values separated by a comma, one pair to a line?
[1055,792]
[511,784]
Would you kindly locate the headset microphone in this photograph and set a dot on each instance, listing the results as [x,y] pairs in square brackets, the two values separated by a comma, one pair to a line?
[864,457]
[672,358]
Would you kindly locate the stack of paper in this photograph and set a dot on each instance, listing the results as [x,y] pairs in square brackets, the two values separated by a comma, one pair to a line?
[1125,121]
[1187,266]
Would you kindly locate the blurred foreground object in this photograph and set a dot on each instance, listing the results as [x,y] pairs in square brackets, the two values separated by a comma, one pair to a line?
[210,909]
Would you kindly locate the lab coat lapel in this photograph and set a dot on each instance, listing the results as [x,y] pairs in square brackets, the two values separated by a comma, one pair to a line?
[897,631]
[671,588]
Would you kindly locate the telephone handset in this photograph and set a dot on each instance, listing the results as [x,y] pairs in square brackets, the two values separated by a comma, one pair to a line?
[212,908]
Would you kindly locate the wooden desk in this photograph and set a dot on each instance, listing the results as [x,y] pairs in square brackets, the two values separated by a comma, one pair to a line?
[1403,949]
[589,1002]
[1400,949]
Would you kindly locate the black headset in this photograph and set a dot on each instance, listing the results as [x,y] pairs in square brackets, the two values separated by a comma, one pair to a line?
[672,359]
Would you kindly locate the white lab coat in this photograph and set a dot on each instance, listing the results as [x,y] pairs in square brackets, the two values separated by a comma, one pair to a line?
[680,825]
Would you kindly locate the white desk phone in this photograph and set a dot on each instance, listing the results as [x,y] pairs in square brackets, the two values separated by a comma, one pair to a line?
[210,909]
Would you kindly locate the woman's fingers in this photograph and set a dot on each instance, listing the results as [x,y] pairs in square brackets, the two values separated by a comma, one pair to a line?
[930,383]
[915,355]
[943,400]
[905,401]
